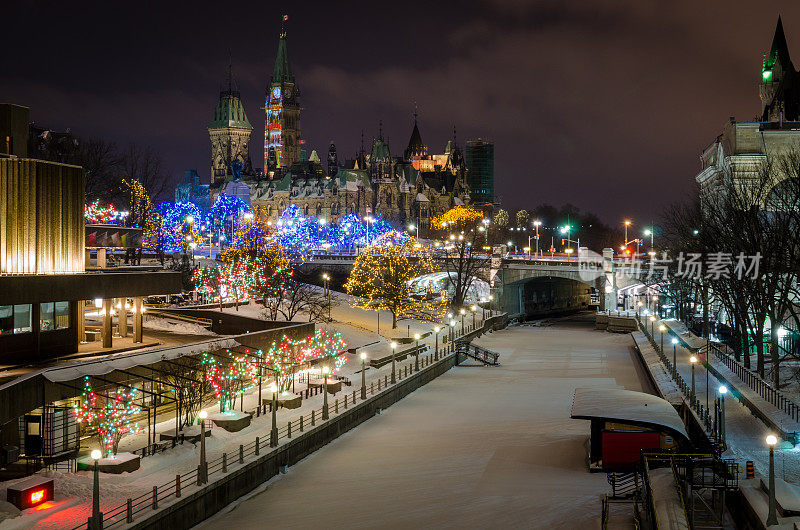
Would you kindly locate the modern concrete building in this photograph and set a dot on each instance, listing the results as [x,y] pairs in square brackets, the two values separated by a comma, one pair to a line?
[43,281]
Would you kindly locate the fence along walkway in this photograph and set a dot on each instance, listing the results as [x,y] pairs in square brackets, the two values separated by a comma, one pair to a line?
[216,467]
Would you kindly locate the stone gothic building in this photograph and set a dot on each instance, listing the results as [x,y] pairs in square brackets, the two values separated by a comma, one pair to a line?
[407,189]
[744,145]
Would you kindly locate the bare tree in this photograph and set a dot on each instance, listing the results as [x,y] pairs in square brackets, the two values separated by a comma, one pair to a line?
[145,165]
[101,161]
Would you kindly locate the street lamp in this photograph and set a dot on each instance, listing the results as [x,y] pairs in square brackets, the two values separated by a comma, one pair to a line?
[693,362]
[452,333]
[463,312]
[473,308]
[203,478]
[722,391]
[627,224]
[652,325]
[662,328]
[436,331]
[416,353]
[537,224]
[97,515]
[326,279]
[772,512]
[273,433]
[674,357]
[325,371]
[363,376]
[393,345]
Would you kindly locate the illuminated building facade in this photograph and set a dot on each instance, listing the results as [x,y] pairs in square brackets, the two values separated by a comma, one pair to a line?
[744,145]
[43,279]
[407,189]
[282,107]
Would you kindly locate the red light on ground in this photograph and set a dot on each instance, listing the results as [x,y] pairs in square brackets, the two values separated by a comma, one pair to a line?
[37,497]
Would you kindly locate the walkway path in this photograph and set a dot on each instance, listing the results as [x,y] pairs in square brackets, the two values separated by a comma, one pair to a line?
[479,447]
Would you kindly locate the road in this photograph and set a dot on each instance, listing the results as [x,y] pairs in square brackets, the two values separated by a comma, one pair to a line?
[479,447]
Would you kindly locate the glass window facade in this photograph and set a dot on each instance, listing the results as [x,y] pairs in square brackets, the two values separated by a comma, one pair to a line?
[22,318]
[53,315]
[6,319]
[46,316]
[61,312]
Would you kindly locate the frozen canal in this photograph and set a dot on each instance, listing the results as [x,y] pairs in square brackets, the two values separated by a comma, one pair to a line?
[479,447]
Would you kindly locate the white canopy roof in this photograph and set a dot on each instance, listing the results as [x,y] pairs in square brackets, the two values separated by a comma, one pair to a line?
[626,406]
[124,361]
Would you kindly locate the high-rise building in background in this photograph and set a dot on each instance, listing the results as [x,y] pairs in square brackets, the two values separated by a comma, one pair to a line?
[480,170]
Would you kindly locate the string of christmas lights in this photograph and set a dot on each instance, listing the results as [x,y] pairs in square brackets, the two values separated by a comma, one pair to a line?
[111,417]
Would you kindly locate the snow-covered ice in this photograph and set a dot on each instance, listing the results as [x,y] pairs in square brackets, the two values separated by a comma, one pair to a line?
[479,447]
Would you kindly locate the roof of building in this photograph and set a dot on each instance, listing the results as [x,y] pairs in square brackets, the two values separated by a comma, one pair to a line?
[380,151]
[282,73]
[779,49]
[627,406]
[415,145]
[230,112]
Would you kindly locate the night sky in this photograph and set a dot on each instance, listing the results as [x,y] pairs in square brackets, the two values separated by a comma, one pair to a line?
[604,106]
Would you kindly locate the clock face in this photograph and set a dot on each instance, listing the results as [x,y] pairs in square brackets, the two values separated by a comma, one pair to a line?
[276,92]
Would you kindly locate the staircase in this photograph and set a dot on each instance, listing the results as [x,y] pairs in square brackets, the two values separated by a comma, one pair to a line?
[624,485]
[479,354]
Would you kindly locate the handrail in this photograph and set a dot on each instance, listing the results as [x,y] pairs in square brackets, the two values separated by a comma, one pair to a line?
[127,512]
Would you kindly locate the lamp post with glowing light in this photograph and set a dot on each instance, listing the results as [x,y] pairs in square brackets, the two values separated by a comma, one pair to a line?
[363,375]
[652,326]
[473,308]
[325,371]
[96,520]
[721,429]
[203,464]
[416,352]
[452,333]
[627,224]
[662,328]
[273,433]
[463,312]
[693,362]
[436,348]
[772,512]
[536,225]
[326,282]
[393,345]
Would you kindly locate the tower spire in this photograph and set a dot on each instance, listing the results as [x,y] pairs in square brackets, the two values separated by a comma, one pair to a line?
[284,20]
[380,130]
[230,71]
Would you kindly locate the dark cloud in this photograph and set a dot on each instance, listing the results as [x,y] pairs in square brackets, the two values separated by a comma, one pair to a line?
[606,105]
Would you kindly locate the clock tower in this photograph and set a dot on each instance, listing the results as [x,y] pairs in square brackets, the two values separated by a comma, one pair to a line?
[282,109]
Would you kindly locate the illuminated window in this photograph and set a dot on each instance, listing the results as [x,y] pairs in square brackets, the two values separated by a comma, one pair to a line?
[62,315]
[46,320]
[22,318]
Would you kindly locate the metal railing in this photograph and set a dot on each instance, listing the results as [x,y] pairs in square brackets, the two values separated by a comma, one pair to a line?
[756,383]
[126,513]
[703,413]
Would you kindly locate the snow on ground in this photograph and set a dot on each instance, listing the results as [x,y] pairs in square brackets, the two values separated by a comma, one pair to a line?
[479,447]
[73,490]
[176,326]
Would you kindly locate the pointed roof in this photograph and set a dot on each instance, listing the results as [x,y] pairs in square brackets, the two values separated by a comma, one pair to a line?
[415,144]
[282,73]
[380,151]
[230,112]
[779,51]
